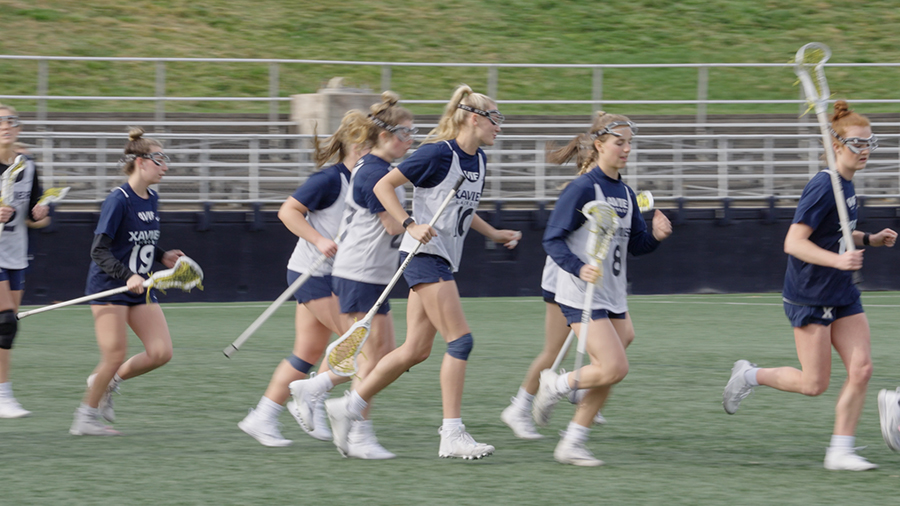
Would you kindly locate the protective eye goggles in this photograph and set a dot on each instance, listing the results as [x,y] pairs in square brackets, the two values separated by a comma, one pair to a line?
[857,144]
[157,157]
[608,129]
[403,133]
[493,115]
[12,120]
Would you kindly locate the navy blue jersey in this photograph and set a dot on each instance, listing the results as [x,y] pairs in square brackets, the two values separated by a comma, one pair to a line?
[369,170]
[567,217]
[322,189]
[817,285]
[133,225]
[429,165]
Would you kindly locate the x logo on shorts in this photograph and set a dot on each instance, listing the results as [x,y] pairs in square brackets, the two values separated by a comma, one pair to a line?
[826,312]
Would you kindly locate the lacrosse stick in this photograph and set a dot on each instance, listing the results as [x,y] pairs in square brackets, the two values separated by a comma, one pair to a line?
[285,295]
[52,195]
[8,179]
[645,203]
[342,352]
[815,55]
[186,274]
[602,225]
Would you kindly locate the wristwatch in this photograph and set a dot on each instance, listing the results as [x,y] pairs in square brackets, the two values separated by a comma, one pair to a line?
[408,221]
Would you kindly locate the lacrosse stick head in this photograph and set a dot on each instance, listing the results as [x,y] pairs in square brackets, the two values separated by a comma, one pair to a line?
[186,274]
[644,201]
[603,222]
[810,59]
[53,195]
[8,179]
[342,353]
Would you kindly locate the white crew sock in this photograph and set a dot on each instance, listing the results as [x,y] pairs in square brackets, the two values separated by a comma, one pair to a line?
[750,376]
[577,433]
[6,389]
[842,442]
[356,404]
[523,400]
[268,409]
[562,384]
[450,424]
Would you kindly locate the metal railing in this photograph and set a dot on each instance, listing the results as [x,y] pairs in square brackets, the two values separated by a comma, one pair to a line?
[702,160]
[265,168]
[492,71]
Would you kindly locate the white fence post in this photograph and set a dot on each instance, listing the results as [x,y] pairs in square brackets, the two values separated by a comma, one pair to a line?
[597,89]
[160,115]
[42,90]
[723,167]
[101,169]
[254,169]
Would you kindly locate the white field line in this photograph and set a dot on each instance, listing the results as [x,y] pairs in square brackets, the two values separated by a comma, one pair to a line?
[689,299]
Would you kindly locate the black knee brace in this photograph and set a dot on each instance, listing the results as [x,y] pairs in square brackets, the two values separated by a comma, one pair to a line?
[8,327]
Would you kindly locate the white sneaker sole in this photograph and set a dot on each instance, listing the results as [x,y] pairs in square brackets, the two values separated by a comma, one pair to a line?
[466,457]
[18,414]
[264,439]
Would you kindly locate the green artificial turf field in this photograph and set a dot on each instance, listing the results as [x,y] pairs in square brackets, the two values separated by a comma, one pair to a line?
[668,441]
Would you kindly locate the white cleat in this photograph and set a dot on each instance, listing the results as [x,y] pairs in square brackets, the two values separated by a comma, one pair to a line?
[302,405]
[341,421]
[846,460]
[889,412]
[459,444]
[266,432]
[575,397]
[737,388]
[106,402]
[546,398]
[520,422]
[362,443]
[572,452]
[10,408]
[86,424]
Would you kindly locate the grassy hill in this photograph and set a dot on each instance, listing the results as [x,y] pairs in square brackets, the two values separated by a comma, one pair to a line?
[498,31]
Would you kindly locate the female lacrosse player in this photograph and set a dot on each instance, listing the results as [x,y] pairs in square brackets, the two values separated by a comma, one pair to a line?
[366,261]
[123,251]
[518,414]
[452,150]
[313,213]
[16,209]
[610,330]
[556,329]
[820,298]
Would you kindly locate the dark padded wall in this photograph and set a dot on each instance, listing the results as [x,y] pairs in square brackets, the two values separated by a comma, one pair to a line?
[244,255]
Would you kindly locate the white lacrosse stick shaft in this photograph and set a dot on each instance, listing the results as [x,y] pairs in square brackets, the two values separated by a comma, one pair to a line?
[562,351]
[819,99]
[88,298]
[285,295]
[366,321]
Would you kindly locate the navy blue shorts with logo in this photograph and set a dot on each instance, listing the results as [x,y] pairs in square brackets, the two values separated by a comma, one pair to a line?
[802,315]
[573,315]
[16,278]
[358,297]
[425,268]
[316,287]
[549,297]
